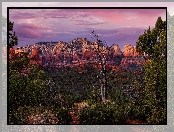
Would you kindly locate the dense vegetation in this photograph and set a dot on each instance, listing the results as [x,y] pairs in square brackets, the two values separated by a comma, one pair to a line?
[153,43]
[131,95]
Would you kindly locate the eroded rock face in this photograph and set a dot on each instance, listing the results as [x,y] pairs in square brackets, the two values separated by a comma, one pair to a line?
[61,46]
[117,50]
[135,52]
[11,53]
[79,50]
[131,57]
[15,53]
[88,55]
[35,58]
[128,50]
[132,61]
[115,54]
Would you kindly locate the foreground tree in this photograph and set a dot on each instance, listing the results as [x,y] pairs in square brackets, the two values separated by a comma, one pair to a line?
[13,39]
[26,82]
[152,45]
[102,55]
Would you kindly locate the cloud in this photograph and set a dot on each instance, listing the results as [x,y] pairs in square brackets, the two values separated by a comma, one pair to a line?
[30,30]
[22,14]
[113,25]
[88,22]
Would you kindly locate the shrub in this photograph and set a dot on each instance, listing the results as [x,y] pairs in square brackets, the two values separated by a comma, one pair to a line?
[26,89]
[100,113]
[63,115]
[39,115]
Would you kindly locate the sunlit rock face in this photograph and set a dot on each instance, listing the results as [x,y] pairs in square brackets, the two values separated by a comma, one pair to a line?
[133,61]
[15,53]
[128,50]
[115,54]
[35,58]
[131,57]
[117,50]
[135,52]
[80,51]
[11,53]
[60,47]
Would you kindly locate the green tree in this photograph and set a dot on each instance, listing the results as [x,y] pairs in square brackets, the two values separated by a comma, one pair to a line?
[153,44]
[26,82]
[13,39]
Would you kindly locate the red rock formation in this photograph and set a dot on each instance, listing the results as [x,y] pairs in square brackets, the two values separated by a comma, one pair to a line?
[35,58]
[88,55]
[14,54]
[76,57]
[11,53]
[135,52]
[117,50]
[60,46]
[128,50]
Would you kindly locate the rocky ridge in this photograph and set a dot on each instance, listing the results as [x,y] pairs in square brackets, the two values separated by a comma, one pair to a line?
[80,50]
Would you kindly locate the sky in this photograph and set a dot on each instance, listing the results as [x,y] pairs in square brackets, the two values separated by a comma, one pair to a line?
[119,26]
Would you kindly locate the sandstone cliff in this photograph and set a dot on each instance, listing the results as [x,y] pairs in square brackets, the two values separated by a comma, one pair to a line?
[35,58]
[129,50]
[117,50]
[81,50]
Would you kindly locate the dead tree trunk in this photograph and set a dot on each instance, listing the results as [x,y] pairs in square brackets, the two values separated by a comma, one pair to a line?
[103,77]
[103,80]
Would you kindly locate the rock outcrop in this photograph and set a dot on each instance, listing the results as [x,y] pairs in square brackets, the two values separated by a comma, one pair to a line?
[135,52]
[117,50]
[15,53]
[79,51]
[35,58]
[59,48]
[11,53]
[133,62]
[129,50]
[131,57]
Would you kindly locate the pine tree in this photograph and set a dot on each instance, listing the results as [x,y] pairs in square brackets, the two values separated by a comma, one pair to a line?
[26,81]
[13,39]
[153,44]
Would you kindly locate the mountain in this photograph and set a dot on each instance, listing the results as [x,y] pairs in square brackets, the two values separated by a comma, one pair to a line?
[131,57]
[79,51]
[129,50]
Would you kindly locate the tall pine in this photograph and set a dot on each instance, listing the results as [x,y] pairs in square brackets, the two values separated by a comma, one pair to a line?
[13,39]
[153,44]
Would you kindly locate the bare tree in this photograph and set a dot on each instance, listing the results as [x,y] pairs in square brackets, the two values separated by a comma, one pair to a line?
[102,56]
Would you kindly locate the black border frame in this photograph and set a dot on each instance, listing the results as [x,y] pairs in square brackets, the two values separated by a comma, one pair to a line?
[8,8]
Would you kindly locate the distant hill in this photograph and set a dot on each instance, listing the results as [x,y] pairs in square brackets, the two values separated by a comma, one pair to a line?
[80,51]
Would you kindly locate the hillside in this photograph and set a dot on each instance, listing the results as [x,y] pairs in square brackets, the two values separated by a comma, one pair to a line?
[80,51]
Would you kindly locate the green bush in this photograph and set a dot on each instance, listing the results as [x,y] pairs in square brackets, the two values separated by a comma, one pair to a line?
[26,89]
[100,113]
[62,100]
[63,115]
[138,112]
[22,114]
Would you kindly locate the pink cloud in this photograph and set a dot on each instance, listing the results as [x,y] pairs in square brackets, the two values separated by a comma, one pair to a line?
[141,17]
[119,16]
[29,30]
[90,22]
[22,14]
[117,25]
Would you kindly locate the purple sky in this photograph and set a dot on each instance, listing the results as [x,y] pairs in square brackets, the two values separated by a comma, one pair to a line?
[119,26]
